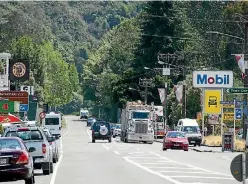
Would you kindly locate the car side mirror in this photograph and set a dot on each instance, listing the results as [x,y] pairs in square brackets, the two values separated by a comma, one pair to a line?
[51,139]
[31,149]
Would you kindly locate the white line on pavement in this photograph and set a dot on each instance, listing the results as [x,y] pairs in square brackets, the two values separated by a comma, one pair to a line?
[56,170]
[188,165]
[67,128]
[105,147]
[116,152]
[227,158]
[153,172]
[202,177]
[88,132]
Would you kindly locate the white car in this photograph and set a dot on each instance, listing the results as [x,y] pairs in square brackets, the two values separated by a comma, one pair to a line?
[117,130]
[53,144]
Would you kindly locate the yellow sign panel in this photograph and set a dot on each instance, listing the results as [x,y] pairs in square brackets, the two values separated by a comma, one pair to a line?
[212,100]
[228,116]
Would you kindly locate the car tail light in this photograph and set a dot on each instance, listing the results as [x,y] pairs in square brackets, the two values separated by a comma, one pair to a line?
[43,148]
[23,158]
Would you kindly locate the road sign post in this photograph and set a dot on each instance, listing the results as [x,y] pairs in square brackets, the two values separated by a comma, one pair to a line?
[239,168]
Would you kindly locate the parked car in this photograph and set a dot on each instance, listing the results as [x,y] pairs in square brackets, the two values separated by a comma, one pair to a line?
[35,137]
[53,143]
[117,130]
[175,140]
[16,163]
[90,121]
[101,131]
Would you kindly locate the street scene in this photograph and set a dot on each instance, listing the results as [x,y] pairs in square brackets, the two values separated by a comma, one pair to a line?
[123,92]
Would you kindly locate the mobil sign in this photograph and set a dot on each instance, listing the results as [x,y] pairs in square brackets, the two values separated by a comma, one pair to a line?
[213,79]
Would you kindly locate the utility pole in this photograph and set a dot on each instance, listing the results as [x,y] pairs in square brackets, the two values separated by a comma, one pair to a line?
[245,79]
[146,83]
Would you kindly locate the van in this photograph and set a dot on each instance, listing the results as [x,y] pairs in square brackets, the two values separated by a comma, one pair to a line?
[192,130]
[52,121]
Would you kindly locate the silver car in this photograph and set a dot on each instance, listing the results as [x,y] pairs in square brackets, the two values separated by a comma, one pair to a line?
[53,144]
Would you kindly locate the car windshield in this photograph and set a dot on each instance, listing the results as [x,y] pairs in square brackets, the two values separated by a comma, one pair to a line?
[141,115]
[9,144]
[52,121]
[118,126]
[191,129]
[26,135]
[176,135]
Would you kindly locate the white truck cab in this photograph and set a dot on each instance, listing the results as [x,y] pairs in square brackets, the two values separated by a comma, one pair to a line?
[52,121]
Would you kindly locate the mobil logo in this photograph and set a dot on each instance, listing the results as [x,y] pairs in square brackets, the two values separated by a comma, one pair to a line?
[213,79]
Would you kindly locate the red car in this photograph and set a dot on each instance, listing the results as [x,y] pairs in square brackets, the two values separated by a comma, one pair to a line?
[15,161]
[175,140]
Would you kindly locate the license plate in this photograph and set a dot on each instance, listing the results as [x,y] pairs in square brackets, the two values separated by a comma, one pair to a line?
[176,144]
[192,141]
[3,161]
[38,160]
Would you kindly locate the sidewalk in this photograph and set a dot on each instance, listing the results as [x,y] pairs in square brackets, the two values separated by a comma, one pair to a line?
[206,149]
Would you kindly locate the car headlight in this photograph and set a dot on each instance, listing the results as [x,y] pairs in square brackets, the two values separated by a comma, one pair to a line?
[199,137]
[167,141]
[185,143]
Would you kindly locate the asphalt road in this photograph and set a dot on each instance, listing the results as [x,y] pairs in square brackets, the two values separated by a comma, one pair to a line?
[125,163]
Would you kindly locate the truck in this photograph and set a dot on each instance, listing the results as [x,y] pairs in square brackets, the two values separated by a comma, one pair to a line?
[84,114]
[158,122]
[136,123]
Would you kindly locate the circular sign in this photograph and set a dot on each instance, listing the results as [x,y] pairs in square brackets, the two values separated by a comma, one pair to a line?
[19,69]
[42,115]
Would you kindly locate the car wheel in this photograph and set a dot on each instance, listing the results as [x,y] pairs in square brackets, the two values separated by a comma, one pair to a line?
[114,136]
[199,145]
[55,159]
[29,180]
[93,140]
[164,149]
[194,145]
[47,172]
[109,140]
[186,150]
[51,167]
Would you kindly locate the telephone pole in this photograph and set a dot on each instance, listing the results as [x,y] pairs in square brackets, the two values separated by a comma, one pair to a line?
[245,80]
[146,83]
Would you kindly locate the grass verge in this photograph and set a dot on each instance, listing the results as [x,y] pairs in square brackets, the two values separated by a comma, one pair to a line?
[63,123]
[217,141]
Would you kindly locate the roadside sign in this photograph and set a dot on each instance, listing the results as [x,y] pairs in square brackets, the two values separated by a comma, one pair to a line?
[42,115]
[226,102]
[236,167]
[227,142]
[29,89]
[238,103]
[213,79]
[237,90]
[8,106]
[166,71]
[19,96]
[23,107]
[212,101]
[238,113]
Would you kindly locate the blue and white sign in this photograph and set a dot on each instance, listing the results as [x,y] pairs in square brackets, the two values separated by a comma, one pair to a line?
[23,107]
[213,79]
[238,113]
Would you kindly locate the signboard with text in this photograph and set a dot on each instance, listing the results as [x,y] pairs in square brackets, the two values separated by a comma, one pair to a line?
[212,102]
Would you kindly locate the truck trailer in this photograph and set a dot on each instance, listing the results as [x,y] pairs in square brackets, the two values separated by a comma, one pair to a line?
[136,124]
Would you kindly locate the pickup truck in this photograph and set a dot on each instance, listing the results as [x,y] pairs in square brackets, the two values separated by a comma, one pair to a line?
[35,137]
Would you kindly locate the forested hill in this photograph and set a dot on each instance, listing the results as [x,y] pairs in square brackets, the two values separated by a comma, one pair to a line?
[71,29]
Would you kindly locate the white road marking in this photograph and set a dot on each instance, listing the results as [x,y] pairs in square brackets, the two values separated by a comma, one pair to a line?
[188,165]
[52,181]
[105,147]
[88,132]
[56,170]
[153,172]
[177,168]
[227,158]
[116,152]
[202,177]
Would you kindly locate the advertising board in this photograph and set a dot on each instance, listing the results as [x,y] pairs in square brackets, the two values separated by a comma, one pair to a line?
[213,79]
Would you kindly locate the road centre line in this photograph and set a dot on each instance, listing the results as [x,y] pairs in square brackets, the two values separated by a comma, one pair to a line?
[227,158]
[116,152]
[188,165]
[152,172]
[170,168]
[184,172]
[88,132]
[105,147]
[202,177]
